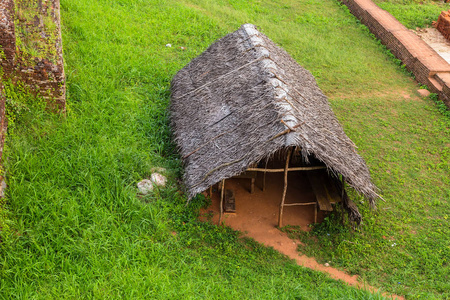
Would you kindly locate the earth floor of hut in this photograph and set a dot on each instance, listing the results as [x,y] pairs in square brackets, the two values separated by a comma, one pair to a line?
[257,217]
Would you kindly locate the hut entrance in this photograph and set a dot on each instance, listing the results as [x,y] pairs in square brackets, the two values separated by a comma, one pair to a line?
[285,189]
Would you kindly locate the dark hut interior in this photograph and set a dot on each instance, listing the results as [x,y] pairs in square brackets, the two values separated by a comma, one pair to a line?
[300,182]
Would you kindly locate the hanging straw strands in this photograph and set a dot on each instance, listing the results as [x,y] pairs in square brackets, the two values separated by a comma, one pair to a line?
[243,100]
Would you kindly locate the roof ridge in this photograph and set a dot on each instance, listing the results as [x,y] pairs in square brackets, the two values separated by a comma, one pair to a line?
[283,101]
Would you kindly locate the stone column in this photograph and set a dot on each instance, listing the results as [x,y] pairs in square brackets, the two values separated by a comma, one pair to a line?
[7,36]
[7,55]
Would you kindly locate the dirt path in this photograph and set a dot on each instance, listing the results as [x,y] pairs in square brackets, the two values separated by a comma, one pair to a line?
[257,216]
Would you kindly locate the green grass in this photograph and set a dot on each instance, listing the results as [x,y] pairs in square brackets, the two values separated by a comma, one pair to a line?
[414,13]
[77,229]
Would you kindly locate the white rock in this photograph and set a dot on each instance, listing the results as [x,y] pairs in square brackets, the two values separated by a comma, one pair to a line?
[2,188]
[145,186]
[327,264]
[168,45]
[158,179]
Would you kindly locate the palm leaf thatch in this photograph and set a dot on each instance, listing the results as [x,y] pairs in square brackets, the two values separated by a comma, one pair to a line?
[244,99]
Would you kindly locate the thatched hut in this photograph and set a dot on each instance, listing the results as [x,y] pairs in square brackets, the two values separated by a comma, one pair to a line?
[245,100]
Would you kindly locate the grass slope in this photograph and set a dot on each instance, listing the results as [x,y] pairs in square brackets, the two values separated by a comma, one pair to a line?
[414,13]
[78,230]
[76,227]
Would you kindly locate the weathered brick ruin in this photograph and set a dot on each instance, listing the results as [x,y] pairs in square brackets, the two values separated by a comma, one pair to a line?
[41,69]
[7,35]
[8,44]
[443,24]
[43,72]
[428,67]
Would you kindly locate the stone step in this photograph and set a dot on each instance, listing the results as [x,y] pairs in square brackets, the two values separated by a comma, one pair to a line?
[443,78]
[436,84]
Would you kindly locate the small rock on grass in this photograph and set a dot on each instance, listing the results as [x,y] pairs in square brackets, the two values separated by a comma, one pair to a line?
[2,187]
[423,92]
[145,186]
[158,179]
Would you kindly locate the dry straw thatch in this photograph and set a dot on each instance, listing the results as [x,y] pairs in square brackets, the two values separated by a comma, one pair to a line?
[244,99]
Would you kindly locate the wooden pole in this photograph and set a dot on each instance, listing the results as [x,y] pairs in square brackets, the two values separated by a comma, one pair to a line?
[221,201]
[280,216]
[300,204]
[252,186]
[290,169]
[315,213]
[264,178]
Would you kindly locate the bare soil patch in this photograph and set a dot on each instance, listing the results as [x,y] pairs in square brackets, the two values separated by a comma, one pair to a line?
[257,217]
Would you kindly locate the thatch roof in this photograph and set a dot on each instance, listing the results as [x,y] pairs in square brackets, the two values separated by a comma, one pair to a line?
[231,104]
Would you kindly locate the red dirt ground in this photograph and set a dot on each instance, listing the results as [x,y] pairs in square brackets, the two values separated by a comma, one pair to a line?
[257,217]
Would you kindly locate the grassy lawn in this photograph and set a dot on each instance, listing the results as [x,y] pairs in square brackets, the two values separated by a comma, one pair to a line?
[414,13]
[76,228]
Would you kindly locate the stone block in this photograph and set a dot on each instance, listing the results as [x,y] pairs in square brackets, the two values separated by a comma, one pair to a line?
[443,24]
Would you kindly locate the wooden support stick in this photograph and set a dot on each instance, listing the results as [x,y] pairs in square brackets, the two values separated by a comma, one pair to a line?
[289,169]
[285,124]
[252,187]
[221,201]
[287,130]
[280,216]
[280,134]
[295,204]
[264,178]
[315,213]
